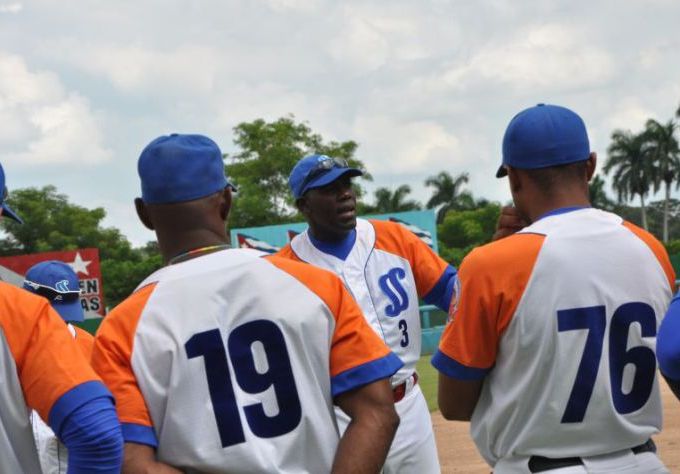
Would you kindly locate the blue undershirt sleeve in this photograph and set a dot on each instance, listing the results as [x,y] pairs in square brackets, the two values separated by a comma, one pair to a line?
[442,292]
[85,420]
[668,341]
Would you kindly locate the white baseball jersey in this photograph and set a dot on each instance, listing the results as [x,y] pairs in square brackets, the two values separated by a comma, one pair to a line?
[561,319]
[386,271]
[229,362]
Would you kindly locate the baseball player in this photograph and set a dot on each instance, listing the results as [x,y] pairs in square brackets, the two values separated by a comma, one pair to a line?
[668,346]
[58,283]
[227,361]
[43,368]
[386,268]
[550,347]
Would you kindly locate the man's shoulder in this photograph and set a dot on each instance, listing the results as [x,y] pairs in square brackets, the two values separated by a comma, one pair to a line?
[506,252]
[287,252]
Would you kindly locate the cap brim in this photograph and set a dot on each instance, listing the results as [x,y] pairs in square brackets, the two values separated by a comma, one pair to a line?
[71,312]
[502,172]
[332,175]
[8,212]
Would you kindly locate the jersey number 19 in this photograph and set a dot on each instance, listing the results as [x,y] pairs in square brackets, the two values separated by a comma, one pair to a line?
[250,378]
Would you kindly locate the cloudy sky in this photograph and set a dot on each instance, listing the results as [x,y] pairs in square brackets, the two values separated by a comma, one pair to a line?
[422,86]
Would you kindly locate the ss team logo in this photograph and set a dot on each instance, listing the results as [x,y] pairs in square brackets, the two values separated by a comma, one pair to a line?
[390,285]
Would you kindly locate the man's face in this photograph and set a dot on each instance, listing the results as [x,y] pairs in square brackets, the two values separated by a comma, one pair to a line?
[330,210]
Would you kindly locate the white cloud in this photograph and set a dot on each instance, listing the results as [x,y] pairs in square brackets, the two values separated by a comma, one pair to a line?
[135,69]
[15,7]
[409,147]
[547,57]
[40,123]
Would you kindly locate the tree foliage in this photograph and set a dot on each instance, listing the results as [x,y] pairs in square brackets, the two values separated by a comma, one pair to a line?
[461,231]
[387,201]
[52,223]
[448,193]
[267,152]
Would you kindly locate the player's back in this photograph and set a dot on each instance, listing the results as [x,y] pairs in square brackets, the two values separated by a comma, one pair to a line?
[233,354]
[575,373]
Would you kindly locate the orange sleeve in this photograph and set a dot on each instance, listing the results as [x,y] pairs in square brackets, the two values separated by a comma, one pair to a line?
[111,357]
[85,341]
[49,363]
[354,343]
[492,280]
[657,248]
[427,266]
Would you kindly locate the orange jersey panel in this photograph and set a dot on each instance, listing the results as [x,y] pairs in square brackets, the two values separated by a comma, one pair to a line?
[351,328]
[48,360]
[484,306]
[658,249]
[427,266]
[85,341]
[111,357]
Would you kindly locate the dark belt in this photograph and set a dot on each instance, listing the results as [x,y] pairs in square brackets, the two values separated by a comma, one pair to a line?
[400,390]
[541,464]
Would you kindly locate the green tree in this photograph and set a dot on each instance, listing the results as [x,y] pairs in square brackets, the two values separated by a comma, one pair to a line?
[448,194]
[387,201]
[664,152]
[597,194]
[632,168]
[52,223]
[461,231]
[267,152]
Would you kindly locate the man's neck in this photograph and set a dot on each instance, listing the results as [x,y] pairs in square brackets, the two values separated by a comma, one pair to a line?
[176,245]
[541,208]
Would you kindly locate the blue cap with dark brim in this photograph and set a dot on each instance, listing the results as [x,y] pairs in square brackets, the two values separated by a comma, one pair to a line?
[58,283]
[6,210]
[544,136]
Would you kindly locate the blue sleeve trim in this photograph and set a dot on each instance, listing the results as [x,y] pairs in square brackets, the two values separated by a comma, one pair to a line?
[449,367]
[441,293]
[93,438]
[140,434]
[668,341]
[74,398]
[363,374]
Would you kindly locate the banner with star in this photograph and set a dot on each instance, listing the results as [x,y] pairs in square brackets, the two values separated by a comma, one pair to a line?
[85,262]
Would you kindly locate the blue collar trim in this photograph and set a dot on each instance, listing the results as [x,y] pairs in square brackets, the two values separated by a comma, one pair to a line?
[338,249]
[562,210]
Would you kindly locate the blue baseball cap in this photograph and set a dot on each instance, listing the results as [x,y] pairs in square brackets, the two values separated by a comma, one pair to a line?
[57,282]
[6,210]
[315,171]
[178,168]
[544,136]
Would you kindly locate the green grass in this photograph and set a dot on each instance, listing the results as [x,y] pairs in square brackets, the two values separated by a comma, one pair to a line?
[427,378]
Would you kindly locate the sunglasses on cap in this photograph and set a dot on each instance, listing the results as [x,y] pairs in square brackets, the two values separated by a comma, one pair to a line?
[52,294]
[322,166]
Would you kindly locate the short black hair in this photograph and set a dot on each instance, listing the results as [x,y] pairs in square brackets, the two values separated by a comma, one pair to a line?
[549,179]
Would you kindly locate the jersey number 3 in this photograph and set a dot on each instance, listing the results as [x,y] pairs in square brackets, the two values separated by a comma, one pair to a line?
[250,377]
[594,320]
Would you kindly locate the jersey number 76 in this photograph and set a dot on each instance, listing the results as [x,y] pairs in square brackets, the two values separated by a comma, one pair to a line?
[250,378]
[594,320]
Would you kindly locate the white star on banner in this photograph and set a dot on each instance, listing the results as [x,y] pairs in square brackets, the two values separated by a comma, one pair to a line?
[79,265]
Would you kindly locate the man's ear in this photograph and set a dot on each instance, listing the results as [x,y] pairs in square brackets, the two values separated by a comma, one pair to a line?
[591,164]
[225,204]
[515,179]
[302,206]
[143,213]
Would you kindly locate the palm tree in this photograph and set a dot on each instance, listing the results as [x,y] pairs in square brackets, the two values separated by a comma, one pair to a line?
[664,151]
[447,193]
[597,194]
[628,159]
[387,201]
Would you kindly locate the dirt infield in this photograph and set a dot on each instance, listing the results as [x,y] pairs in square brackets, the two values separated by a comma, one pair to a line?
[457,452]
